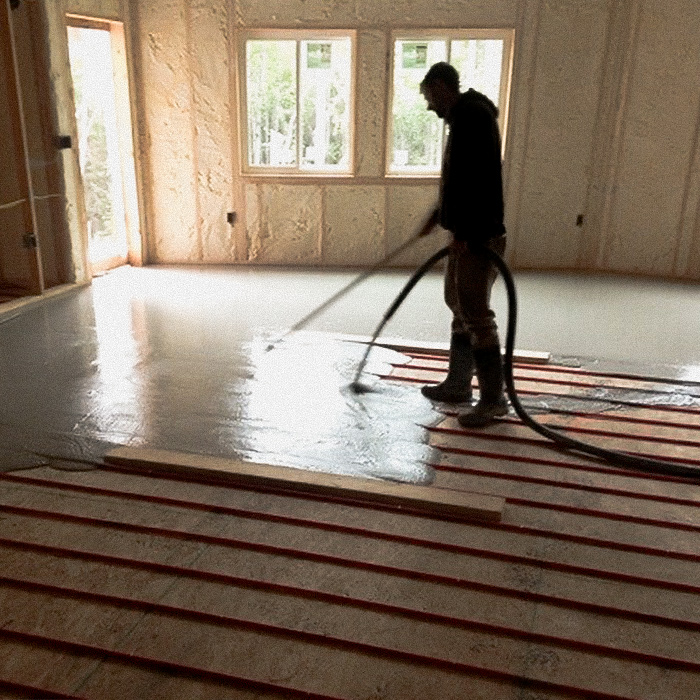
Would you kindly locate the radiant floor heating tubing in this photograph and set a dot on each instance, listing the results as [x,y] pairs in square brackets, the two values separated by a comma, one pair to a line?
[331,527]
[62,482]
[70,646]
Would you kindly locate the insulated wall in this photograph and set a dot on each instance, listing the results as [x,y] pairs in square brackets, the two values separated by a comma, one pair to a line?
[602,161]
[42,245]
[653,226]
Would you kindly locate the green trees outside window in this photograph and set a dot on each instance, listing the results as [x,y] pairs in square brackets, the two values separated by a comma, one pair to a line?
[417,136]
[298,97]
[298,106]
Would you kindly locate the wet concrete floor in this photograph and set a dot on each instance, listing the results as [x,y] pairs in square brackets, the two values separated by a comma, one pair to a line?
[163,358]
[176,358]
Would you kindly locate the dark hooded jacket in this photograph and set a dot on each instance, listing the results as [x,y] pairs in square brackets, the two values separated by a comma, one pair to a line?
[471,188]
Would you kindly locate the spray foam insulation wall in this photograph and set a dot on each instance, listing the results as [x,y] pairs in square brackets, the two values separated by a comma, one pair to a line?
[602,162]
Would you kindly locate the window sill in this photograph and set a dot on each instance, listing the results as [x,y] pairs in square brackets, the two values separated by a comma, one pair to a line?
[338,179]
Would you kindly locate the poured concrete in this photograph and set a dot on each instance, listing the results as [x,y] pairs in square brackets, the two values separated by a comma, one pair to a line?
[175,358]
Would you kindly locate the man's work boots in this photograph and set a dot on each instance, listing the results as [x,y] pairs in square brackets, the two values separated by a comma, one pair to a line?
[457,387]
[492,402]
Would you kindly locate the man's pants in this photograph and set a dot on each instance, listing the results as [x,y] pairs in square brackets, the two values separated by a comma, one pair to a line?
[468,282]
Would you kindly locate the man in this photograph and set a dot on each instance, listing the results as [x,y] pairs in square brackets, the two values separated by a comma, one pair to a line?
[471,208]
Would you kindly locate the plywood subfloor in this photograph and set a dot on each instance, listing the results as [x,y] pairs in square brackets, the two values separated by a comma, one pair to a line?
[123,585]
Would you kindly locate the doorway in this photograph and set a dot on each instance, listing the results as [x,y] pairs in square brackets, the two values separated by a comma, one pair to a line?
[102,111]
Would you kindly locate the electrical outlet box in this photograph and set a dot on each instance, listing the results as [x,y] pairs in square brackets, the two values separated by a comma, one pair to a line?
[63,142]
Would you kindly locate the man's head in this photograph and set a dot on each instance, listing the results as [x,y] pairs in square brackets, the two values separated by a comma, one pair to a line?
[440,87]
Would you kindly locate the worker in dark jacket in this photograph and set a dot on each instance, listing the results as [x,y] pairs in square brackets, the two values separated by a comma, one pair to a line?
[471,208]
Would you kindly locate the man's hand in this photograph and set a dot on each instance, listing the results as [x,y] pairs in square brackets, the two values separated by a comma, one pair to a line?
[430,224]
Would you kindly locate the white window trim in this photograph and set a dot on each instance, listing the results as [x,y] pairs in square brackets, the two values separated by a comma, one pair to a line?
[508,38]
[297,35]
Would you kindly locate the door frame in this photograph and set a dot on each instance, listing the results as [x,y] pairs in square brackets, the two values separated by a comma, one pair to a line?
[127,141]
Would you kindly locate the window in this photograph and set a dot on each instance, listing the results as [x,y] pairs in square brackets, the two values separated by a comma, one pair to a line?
[416,136]
[298,92]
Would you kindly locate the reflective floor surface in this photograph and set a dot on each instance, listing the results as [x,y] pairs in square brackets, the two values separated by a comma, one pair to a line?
[176,358]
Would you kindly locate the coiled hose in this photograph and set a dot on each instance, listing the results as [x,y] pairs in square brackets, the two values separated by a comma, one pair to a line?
[622,459]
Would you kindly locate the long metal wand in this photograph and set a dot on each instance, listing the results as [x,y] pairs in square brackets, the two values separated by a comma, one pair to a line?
[428,225]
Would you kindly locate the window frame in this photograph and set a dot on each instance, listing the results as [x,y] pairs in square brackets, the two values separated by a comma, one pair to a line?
[297,35]
[449,34]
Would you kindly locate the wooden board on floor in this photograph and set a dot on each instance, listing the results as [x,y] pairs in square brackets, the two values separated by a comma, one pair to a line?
[532,357]
[421,499]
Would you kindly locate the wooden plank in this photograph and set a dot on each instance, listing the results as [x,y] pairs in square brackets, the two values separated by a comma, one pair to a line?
[421,499]
[534,357]
[429,347]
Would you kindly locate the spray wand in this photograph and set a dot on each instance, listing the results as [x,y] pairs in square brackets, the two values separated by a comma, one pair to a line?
[425,229]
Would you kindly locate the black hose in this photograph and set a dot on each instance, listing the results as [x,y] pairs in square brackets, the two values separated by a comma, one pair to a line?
[356,386]
[623,459]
